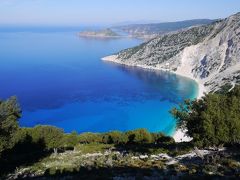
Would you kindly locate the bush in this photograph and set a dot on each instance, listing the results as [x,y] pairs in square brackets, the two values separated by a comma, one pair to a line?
[139,136]
[162,139]
[115,137]
[212,120]
[70,140]
[90,138]
[51,136]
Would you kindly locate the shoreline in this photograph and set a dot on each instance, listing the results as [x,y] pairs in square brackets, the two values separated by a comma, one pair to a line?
[99,36]
[179,135]
[201,88]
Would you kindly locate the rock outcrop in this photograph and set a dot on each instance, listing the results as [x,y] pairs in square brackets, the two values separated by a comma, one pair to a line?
[210,54]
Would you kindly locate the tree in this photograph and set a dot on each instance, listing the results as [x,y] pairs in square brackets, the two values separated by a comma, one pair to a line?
[212,120]
[115,137]
[90,138]
[52,136]
[160,138]
[71,140]
[10,113]
[140,136]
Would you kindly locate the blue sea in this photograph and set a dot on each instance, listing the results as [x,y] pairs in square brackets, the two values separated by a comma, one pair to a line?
[60,80]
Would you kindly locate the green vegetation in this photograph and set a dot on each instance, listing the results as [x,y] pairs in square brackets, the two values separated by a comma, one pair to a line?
[93,148]
[46,151]
[24,146]
[115,137]
[51,136]
[212,120]
[9,115]
[160,28]
[70,140]
[109,32]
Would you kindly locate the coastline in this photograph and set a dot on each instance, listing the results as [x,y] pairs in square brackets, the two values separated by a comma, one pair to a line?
[98,36]
[179,135]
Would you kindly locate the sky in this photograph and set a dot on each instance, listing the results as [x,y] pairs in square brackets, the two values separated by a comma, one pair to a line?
[90,12]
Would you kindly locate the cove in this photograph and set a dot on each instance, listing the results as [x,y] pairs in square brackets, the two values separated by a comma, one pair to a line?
[60,80]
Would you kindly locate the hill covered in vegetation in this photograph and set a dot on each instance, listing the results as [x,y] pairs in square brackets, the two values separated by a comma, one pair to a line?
[105,33]
[154,29]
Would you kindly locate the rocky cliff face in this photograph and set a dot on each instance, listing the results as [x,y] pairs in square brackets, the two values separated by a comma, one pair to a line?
[209,54]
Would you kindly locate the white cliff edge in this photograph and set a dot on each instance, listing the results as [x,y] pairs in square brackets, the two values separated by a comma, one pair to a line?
[208,54]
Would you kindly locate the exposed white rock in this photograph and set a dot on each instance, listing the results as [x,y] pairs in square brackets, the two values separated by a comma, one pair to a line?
[209,54]
[92,155]
[143,157]
[180,136]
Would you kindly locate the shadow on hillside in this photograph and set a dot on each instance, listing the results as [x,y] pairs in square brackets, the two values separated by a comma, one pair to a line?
[105,173]
[125,172]
[172,149]
[25,152]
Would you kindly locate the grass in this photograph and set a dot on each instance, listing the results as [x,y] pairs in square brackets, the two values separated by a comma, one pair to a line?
[93,148]
[68,160]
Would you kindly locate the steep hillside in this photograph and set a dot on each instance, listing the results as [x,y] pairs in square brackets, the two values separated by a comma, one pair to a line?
[210,54]
[139,30]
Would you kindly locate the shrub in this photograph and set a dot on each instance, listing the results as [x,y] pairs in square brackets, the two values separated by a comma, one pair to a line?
[71,140]
[212,120]
[52,136]
[90,138]
[156,137]
[115,137]
[140,136]
[160,138]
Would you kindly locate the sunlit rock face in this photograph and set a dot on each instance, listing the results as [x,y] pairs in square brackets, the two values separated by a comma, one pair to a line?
[210,53]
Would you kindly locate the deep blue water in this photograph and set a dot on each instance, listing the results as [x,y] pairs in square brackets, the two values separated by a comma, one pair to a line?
[60,80]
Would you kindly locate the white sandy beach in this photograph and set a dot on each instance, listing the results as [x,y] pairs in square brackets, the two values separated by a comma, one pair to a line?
[179,135]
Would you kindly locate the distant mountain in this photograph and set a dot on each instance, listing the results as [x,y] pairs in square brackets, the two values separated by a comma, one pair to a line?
[140,30]
[126,23]
[210,54]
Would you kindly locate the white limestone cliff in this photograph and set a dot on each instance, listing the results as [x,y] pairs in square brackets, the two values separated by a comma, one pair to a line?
[209,54]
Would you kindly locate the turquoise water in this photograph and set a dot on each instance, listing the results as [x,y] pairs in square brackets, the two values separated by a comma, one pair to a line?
[60,80]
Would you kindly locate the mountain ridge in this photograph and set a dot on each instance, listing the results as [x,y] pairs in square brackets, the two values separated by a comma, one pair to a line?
[209,54]
[154,29]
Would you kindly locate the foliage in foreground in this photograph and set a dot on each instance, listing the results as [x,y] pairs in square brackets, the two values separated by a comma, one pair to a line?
[20,146]
[9,114]
[212,120]
[52,137]
[103,161]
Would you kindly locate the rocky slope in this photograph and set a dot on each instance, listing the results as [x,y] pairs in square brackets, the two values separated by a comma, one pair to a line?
[210,54]
[114,164]
[153,29]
